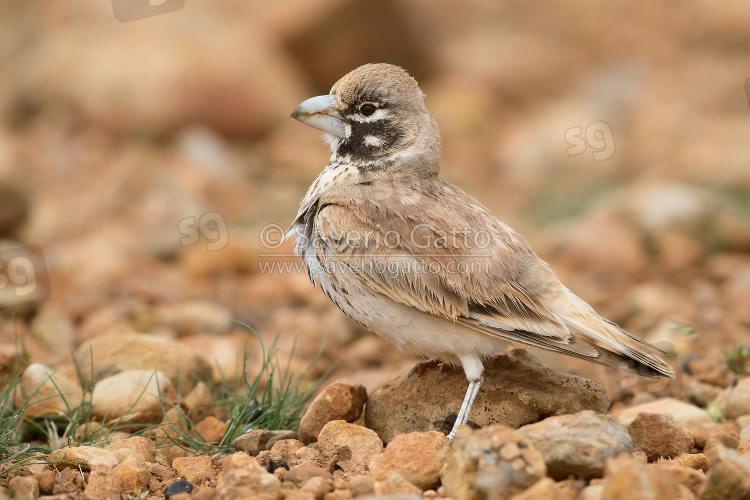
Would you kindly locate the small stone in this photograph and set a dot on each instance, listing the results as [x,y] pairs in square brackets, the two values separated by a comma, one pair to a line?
[418,457]
[26,488]
[46,479]
[729,476]
[317,487]
[140,448]
[517,390]
[165,456]
[338,495]
[341,400]
[734,401]
[658,436]
[242,476]
[701,394]
[578,444]
[132,392]
[362,485]
[361,441]
[684,414]
[300,474]
[280,436]
[475,469]
[253,442]
[395,486]
[211,429]
[189,318]
[178,488]
[690,478]
[627,479]
[46,393]
[102,483]
[708,435]
[199,402]
[84,457]
[544,489]
[697,461]
[69,480]
[194,469]
[133,476]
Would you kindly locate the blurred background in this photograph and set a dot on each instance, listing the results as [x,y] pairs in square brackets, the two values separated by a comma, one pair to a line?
[140,162]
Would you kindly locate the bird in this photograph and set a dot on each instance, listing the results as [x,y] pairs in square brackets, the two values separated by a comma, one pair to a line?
[421,263]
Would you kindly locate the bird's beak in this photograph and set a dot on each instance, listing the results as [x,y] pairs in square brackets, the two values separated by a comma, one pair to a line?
[318,113]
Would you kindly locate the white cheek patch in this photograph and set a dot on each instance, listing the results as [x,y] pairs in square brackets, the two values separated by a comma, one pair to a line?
[379,114]
[373,141]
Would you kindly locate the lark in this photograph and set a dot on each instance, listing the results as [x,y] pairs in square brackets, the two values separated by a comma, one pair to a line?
[421,263]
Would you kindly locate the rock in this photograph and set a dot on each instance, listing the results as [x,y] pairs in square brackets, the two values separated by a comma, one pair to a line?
[658,436]
[690,478]
[135,393]
[84,457]
[593,492]
[362,485]
[684,414]
[178,488]
[133,476]
[194,469]
[188,318]
[735,401]
[701,393]
[341,400]
[362,442]
[697,461]
[54,328]
[253,442]
[395,486]
[338,495]
[300,474]
[242,476]
[317,487]
[24,488]
[46,393]
[211,429]
[113,354]
[417,456]
[495,463]
[103,483]
[46,480]
[627,479]
[517,390]
[544,489]
[280,436]
[729,477]
[140,448]
[578,444]
[744,436]
[199,402]
[708,435]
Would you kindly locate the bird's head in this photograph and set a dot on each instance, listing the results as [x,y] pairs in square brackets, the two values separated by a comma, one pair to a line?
[375,116]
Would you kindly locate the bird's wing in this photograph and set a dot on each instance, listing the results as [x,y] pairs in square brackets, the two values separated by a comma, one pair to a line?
[447,255]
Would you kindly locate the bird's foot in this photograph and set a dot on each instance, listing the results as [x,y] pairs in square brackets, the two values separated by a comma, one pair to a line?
[423,366]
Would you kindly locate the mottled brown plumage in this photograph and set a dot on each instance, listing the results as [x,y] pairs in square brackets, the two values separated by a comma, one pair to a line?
[420,262]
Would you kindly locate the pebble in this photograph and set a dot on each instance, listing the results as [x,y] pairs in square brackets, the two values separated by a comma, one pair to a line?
[362,442]
[684,414]
[242,476]
[578,444]
[417,456]
[84,457]
[45,392]
[178,487]
[132,392]
[196,469]
[734,401]
[24,488]
[134,477]
[658,436]
[341,400]
[729,476]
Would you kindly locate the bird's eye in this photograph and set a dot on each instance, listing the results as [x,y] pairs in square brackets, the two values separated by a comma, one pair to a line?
[367,109]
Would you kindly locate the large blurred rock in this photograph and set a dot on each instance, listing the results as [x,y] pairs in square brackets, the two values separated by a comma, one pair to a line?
[387,31]
[578,445]
[199,65]
[136,393]
[517,390]
[46,393]
[492,463]
[112,354]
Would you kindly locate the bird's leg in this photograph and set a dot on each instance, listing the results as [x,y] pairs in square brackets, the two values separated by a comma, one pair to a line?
[463,413]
